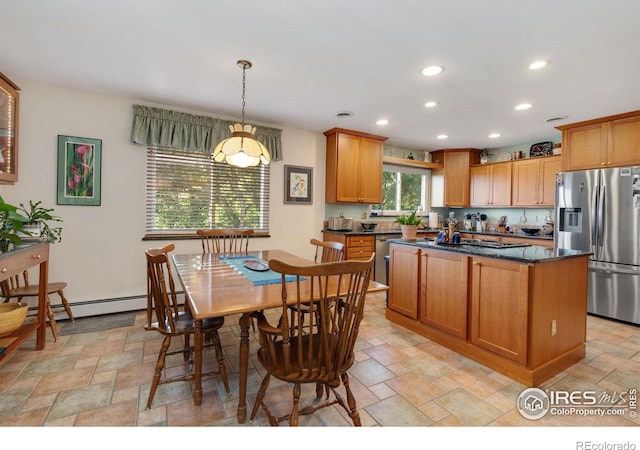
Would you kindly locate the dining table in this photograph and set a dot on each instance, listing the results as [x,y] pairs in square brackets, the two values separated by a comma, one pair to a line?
[220,285]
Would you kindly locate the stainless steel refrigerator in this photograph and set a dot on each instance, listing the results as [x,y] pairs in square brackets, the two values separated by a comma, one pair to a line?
[599,211]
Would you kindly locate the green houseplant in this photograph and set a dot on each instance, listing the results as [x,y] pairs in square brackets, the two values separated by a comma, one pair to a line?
[41,222]
[11,225]
[409,225]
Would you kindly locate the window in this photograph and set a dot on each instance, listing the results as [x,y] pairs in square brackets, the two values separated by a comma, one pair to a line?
[403,189]
[187,191]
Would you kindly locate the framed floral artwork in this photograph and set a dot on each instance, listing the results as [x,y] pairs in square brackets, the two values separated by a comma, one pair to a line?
[79,170]
[298,184]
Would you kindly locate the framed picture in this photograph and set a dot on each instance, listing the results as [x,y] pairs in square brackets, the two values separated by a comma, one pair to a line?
[79,170]
[298,183]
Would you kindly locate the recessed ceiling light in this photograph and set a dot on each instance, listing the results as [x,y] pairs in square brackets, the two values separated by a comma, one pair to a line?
[344,114]
[538,64]
[382,122]
[523,106]
[431,71]
[442,136]
[494,135]
[430,104]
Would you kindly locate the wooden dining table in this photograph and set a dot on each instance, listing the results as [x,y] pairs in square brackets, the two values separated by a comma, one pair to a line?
[214,288]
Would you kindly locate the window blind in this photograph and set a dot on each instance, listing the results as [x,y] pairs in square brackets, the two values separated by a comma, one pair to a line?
[187,191]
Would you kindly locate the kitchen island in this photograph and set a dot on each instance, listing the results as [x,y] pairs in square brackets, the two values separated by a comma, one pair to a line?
[521,311]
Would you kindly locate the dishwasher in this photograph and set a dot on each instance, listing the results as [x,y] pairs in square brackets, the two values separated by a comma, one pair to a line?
[382,250]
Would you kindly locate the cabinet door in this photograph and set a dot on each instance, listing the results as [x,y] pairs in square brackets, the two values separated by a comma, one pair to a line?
[549,167]
[348,169]
[480,186]
[456,180]
[443,291]
[10,105]
[501,184]
[585,147]
[526,174]
[499,307]
[403,279]
[624,145]
[370,171]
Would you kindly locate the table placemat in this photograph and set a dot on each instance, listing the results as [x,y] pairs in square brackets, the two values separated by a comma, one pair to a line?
[257,278]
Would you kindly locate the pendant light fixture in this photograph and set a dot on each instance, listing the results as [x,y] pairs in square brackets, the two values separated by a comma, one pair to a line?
[242,149]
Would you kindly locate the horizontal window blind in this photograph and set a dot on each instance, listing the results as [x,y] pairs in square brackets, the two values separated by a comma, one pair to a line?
[187,191]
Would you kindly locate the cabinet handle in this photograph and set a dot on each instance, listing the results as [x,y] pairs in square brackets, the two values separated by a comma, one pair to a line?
[36,257]
[4,270]
[476,263]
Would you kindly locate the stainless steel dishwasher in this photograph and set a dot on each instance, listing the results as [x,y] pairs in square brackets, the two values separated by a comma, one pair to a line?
[382,250]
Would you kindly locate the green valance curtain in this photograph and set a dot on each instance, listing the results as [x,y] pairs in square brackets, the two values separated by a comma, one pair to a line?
[164,128]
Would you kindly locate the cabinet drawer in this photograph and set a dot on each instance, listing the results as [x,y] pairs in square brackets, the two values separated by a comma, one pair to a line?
[21,260]
[361,241]
[359,253]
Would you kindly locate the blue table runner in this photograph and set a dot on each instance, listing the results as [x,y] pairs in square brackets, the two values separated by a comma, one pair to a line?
[256,277]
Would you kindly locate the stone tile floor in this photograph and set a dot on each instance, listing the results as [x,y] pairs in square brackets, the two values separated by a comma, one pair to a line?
[400,379]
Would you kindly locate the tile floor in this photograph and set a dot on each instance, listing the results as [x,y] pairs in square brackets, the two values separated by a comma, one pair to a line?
[400,379]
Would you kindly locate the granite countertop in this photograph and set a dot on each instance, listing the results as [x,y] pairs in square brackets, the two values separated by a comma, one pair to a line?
[529,254]
[385,232]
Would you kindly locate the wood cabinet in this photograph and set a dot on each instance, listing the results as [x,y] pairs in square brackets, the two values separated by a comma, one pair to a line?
[526,320]
[358,246]
[499,299]
[534,181]
[403,280]
[9,114]
[491,184]
[442,301]
[450,186]
[353,167]
[611,141]
[12,263]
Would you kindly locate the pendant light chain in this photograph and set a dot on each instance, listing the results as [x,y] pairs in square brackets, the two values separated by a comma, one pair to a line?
[244,80]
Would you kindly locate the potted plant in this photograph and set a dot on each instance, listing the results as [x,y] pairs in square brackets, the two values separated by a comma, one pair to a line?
[409,225]
[11,225]
[40,222]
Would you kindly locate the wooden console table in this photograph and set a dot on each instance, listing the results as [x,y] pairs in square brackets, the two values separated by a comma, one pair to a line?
[13,262]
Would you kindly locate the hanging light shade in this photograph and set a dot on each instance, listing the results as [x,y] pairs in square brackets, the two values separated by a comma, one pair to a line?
[242,149]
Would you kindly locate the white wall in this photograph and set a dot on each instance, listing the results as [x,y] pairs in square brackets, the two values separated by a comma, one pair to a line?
[101,255]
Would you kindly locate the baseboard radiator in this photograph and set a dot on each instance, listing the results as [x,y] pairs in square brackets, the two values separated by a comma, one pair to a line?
[105,306]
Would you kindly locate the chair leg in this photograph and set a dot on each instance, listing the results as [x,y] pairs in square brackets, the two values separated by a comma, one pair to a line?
[65,303]
[222,371]
[260,398]
[351,401]
[294,418]
[52,320]
[166,342]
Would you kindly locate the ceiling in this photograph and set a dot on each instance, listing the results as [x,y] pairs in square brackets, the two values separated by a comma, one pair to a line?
[313,59]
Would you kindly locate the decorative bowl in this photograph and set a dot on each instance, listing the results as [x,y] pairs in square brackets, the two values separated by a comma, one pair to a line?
[530,231]
[12,316]
[368,226]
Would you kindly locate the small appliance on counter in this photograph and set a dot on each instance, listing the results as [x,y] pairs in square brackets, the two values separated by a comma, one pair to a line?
[339,224]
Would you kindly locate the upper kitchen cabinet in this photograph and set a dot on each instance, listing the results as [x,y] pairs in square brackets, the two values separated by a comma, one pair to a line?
[611,141]
[9,113]
[491,184]
[354,167]
[534,181]
[450,186]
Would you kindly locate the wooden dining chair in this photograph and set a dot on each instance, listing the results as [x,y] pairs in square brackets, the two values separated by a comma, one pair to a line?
[325,251]
[18,287]
[164,316]
[225,240]
[324,355]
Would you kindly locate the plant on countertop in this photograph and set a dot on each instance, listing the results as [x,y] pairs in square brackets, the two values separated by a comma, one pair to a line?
[11,224]
[42,218]
[409,219]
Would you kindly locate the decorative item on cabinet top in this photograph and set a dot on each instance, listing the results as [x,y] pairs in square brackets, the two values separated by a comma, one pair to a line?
[541,149]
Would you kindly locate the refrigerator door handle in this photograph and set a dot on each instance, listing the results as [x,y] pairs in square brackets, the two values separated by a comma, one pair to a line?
[594,229]
[601,209]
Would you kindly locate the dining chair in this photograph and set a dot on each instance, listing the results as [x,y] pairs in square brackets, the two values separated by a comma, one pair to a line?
[323,353]
[164,316]
[325,251]
[18,287]
[225,240]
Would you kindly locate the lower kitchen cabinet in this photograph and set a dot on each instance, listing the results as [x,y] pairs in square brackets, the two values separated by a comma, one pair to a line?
[443,291]
[499,307]
[357,246]
[525,319]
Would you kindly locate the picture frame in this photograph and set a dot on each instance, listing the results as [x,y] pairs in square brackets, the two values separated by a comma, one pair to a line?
[298,185]
[79,171]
